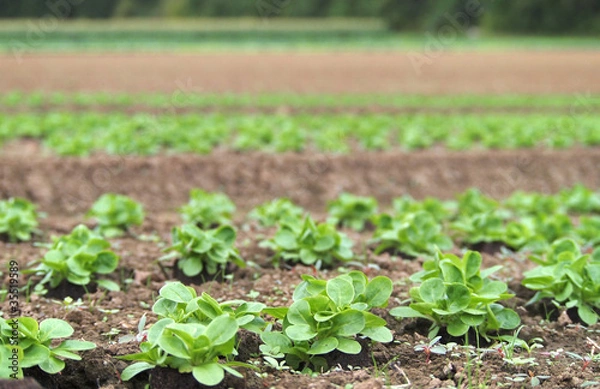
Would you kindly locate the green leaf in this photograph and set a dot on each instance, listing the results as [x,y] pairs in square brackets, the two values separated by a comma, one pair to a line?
[432,290]
[209,374]
[378,291]
[76,345]
[108,285]
[405,312]
[457,328]
[300,332]
[54,328]
[324,243]
[286,239]
[348,346]
[472,263]
[348,323]
[299,313]
[459,297]
[587,315]
[378,334]
[52,365]
[221,330]
[340,290]
[323,346]
[35,355]
[132,370]
[177,292]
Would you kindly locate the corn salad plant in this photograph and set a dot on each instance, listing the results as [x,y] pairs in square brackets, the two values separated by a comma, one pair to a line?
[115,213]
[18,219]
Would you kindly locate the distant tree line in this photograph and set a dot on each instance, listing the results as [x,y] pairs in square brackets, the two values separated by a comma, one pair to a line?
[516,16]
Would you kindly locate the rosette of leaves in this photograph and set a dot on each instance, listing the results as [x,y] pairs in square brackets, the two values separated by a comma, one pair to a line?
[531,204]
[78,258]
[580,199]
[37,345]
[351,211]
[587,230]
[413,234]
[115,213]
[327,316]
[276,211]
[205,351]
[306,242]
[567,277]
[18,219]
[440,210]
[182,304]
[456,294]
[479,227]
[473,202]
[200,250]
[207,209]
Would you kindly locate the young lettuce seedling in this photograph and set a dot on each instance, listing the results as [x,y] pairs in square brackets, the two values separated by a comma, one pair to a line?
[351,211]
[276,211]
[207,210]
[183,305]
[18,219]
[198,250]
[327,316]
[454,293]
[412,234]
[78,258]
[115,213]
[24,343]
[567,277]
[190,348]
[307,242]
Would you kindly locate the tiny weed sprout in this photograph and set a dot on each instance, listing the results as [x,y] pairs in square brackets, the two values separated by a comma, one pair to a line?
[18,219]
[431,348]
[455,293]
[115,213]
[78,258]
[275,211]
[568,278]
[183,305]
[198,250]
[327,316]
[189,347]
[307,242]
[31,344]
[207,210]
[412,234]
[351,211]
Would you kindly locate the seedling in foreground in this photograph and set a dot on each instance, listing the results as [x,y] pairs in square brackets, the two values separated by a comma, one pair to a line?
[36,345]
[454,293]
[115,213]
[190,348]
[327,316]
[568,278]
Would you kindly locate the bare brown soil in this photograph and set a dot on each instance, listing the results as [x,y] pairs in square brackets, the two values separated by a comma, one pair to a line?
[440,72]
[162,183]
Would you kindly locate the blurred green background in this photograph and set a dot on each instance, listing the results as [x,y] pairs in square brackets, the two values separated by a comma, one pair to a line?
[523,16]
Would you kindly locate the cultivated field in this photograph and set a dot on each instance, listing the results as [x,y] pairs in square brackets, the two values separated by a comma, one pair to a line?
[463,137]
